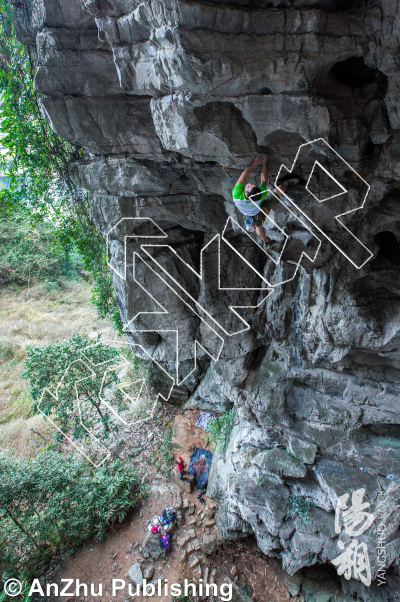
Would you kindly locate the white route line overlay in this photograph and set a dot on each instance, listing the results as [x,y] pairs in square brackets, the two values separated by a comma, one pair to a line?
[165,311]
[201,309]
[344,190]
[337,217]
[200,273]
[89,365]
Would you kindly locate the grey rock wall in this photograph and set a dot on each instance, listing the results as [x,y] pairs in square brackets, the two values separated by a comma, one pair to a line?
[315,379]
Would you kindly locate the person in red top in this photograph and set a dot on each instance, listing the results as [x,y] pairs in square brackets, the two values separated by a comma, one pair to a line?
[180,464]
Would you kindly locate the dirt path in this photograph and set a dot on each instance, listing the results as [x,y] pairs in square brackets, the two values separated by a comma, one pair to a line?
[103,562]
[111,559]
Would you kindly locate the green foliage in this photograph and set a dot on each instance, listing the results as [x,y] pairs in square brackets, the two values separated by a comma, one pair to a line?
[36,160]
[219,430]
[56,501]
[300,506]
[35,168]
[260,480]
[23,596]
[293,457]
[7,352]
[28,252]
[76,230]
[85,370]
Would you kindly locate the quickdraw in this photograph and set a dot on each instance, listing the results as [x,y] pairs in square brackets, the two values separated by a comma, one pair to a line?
[226,170]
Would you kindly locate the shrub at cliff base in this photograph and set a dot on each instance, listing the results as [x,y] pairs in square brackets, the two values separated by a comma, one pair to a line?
[60,372]
[56,502]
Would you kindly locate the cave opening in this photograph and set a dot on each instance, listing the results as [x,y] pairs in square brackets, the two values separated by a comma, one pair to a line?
[354,73]
[350,79]
[389,247]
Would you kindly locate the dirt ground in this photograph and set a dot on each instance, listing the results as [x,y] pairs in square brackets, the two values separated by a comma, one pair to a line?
[256,574]
[186,435]
[101,562]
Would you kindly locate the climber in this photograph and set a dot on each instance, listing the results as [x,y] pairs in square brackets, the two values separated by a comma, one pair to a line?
[242,192]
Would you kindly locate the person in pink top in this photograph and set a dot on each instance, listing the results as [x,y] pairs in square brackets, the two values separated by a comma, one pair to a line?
[180,464]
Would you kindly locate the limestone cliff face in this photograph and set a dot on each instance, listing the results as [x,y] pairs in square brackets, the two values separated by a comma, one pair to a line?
[315,380]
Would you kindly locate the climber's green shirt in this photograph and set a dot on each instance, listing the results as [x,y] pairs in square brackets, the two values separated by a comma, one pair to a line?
[244,205]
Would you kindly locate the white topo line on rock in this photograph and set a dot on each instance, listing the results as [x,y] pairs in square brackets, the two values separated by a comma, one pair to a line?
[202,313]
[120,362]
[322,142]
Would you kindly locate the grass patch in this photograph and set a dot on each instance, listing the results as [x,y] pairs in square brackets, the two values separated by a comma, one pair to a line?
[163,457]
[37,317]
[8,351]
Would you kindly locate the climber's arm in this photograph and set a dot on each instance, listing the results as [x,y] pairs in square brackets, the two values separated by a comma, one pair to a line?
[245,174]
[264,171]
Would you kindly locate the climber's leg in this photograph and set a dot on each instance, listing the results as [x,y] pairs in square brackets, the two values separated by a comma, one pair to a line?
[279,191]
[261,233]
[291,178]
[258,221]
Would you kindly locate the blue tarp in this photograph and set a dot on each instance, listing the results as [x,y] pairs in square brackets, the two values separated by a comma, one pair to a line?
[199,465]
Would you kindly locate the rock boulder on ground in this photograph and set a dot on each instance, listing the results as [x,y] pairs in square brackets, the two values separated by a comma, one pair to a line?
[135,574]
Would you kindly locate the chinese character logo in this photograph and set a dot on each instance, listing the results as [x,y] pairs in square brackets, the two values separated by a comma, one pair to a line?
[354,560]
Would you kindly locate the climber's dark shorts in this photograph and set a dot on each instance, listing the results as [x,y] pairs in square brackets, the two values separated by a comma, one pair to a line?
[259,218]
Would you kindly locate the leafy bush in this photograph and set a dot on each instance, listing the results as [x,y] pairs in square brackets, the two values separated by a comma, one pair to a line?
[35,168]
[86,370]
[76,230]
[219,430]
[26,586]
[28,251]
[56,501]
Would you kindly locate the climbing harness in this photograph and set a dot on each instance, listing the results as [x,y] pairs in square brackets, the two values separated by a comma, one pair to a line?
[171,83]
[231,178]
